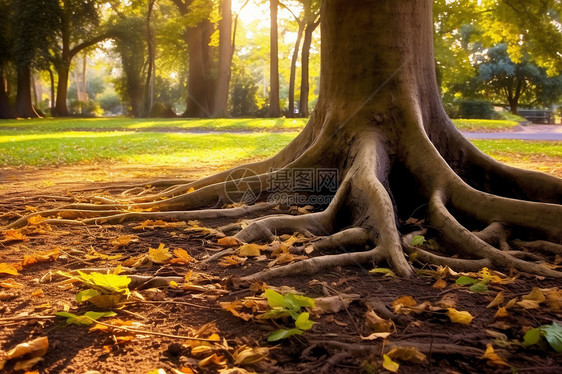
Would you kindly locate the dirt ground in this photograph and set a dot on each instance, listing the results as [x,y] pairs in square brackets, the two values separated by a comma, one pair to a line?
[185,315]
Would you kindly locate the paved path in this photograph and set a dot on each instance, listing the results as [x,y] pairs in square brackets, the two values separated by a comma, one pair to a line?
[533,132]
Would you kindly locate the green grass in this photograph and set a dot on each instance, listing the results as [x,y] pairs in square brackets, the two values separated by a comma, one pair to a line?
[48,142]
[124,124]
[64,148]
[484,125]
[520,147]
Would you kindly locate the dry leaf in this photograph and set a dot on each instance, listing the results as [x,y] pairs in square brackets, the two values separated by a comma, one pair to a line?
[447,301]
[497,300]
[440,284]
[37,293]
[410,354]
[8,269]
[535,295]
[159,255]
[404,301]
[41,256]
[493,357]
[377,323]
[228,241]
[123,240]
[232,261]
[502,312]
[10,283]
[14,235]
[529,304]
[35,220]
[34,348]
[456,316]
[182,257]
[376,335]
[247,355]
[250,250]
[213,360]
[27,364]
[334,304]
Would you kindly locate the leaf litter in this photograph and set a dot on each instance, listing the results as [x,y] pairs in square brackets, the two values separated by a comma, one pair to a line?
[481,321]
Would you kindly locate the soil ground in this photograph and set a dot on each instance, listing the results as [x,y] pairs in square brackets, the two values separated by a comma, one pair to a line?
[193,307]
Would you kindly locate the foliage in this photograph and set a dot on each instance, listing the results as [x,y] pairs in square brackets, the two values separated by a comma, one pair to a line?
[87,318]
[552,333]
[288,305]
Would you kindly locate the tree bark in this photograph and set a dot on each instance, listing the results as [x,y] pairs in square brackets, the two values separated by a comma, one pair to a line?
[6,110]
[225,60]
[293,74]
[305,57]
[274,103]
[149,85]
[24,107]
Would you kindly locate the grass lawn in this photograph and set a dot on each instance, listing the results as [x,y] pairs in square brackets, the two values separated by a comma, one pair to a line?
[52,142]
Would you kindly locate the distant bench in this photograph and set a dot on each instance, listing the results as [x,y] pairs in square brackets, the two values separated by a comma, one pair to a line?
[537,115]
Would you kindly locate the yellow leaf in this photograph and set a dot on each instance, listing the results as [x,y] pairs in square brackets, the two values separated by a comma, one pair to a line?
[27,364]
[183,370]
[232,261]
[191,189]
[213,360]
[10,283]
[248,355]
[182,257]
[37,293]
[510,303]
[377,323]
[157,371]
[410,354]
[456,316]
[497,300]
[13,235]
[529,304]
[228,241]
[159,255]
[493,357]
[553,299]
[502,312]
[35,220]
[8,269]
[122,241]
[173,284]
[535,295]
[34,348]
[402,302]
[389,365]
[250,250]
[41,256]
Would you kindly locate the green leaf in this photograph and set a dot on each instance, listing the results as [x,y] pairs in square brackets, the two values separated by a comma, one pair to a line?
[283,334]
[553,335]
[87,318]
[86,294]
[479,287]
[275,313]
[303,323]
[111,283]
[418,240]
[531,337]
[386,271]
[464,280]
[296,302]
[275,299]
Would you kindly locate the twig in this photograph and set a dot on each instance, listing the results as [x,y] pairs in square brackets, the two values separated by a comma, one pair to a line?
[226,252]
[136,331]
[24,318]
[173,302]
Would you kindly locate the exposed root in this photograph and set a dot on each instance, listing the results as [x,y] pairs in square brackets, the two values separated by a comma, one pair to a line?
[465,241]
[354,237]
[539,246]
[495,234]
[68,214]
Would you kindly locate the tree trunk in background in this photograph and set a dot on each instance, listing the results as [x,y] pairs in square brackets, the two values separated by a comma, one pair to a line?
[149,85]
[6,109]
[274,104]
[225,60]
[24,107]
[305,57]
[293,74]
[200,83]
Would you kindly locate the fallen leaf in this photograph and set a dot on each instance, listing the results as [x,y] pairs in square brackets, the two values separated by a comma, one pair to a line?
[404,301]
[182,257]
[35,220]
[440,284]
[497,300]
[10,283]
[529,304]
[37,293]
[159,255]
[376,335]
[14,235]
[389,365]
[410,354]
[41,256]
[8,269]
[34,348]
[377,323]
[493,357]
[232,261]
[213,360]
[502,312]
[247,355]
[535,295]
[27,364]
[123,240]
[334,304]
[385,271]
[250,250]
[462,317]
[228,241]
[447,301]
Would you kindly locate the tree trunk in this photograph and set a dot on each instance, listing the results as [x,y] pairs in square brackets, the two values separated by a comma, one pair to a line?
[305,57]
[274,104]
[6,110]
[149,85]
[61,108]
[225,60]
[378,153]
[24,106]
[293,74]
[200,84]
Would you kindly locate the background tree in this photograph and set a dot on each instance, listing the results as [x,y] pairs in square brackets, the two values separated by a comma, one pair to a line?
[224,60]
[6,41]
[312,20]
[274,101]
